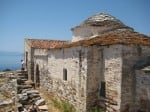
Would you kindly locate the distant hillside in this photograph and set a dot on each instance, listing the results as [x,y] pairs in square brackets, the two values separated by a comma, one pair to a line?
[6,53]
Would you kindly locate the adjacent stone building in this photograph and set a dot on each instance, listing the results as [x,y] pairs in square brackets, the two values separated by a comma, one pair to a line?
[106,65]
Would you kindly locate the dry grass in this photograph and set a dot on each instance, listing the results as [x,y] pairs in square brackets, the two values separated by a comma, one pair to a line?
[5,95]
[8,108]
[54,104]
[48,97]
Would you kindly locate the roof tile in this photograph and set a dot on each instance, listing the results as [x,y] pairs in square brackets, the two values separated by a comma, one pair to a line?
[114,37]
[45,44]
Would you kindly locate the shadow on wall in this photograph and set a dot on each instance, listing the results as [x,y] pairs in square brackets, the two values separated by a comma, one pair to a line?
[135,86]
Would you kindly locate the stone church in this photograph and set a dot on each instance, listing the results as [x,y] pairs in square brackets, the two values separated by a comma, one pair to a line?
[106,65]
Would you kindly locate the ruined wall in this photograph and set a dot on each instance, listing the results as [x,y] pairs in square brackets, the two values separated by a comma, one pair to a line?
[104,65]
[74,62]
[132,56]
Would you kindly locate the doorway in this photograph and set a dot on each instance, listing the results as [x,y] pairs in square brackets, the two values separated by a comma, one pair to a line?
[37,81]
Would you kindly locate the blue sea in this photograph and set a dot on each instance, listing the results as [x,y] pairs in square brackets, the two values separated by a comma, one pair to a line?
[10,61]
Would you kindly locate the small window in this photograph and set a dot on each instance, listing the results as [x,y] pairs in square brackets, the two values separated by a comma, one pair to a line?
[102,89]
[64,74]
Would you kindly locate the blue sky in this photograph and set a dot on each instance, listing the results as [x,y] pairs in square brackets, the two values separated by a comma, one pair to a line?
[53,19]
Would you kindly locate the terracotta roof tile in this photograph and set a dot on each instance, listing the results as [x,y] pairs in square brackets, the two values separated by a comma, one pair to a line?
[45,44]
[114,37]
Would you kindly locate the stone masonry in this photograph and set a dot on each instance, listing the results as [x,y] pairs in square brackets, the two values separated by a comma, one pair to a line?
[105,66]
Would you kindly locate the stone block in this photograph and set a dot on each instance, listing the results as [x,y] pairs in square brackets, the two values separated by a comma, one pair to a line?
[40,102]
[5,103]
[43,108]
[33,95]
[32,92]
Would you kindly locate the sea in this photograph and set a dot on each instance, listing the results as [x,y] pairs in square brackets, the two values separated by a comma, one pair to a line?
[10,60]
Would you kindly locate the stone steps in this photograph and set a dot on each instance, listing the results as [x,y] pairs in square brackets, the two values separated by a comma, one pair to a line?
[29,99]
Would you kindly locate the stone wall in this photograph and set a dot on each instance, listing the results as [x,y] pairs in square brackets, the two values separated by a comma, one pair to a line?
[31,55]
[74,61]
[87,68]
[112,72]
[94,75]
[132,57]
[28,57]
[104,65]
[40,65]
[143,90]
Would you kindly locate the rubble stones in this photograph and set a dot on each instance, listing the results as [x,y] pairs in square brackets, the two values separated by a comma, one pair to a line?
[20,107]
[20,93]
[40,102]
[5,103]
[43,108]
[34,96]
[29,96]
[21,87]
[7,92]
[32,92]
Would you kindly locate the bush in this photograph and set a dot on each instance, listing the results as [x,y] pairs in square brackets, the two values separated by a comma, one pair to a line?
[65,106]
[56,103]
[96,110]
[7,69]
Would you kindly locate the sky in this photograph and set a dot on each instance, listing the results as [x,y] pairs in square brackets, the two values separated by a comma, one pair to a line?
[53,19]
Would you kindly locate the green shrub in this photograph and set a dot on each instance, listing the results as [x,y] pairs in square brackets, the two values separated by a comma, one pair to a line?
[63,105]
[96,110]
[67,107]
[56,103]
[7,69]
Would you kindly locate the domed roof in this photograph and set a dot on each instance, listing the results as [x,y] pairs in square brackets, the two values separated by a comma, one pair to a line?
[100,18]
[103,20]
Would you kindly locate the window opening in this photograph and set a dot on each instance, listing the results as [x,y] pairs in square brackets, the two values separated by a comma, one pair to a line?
[26,58]
[103,89]
[64,74]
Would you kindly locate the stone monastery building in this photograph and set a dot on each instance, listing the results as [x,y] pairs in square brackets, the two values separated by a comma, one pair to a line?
[107,65]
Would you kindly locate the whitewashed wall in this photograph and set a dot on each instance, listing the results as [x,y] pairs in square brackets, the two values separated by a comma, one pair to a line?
[74,89]
[86,32]
[27,48]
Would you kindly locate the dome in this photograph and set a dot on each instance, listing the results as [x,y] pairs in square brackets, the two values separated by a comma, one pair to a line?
[103,20]
[97,25]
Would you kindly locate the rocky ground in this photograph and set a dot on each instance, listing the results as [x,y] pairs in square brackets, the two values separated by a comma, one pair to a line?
[17,94]
[7,92]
